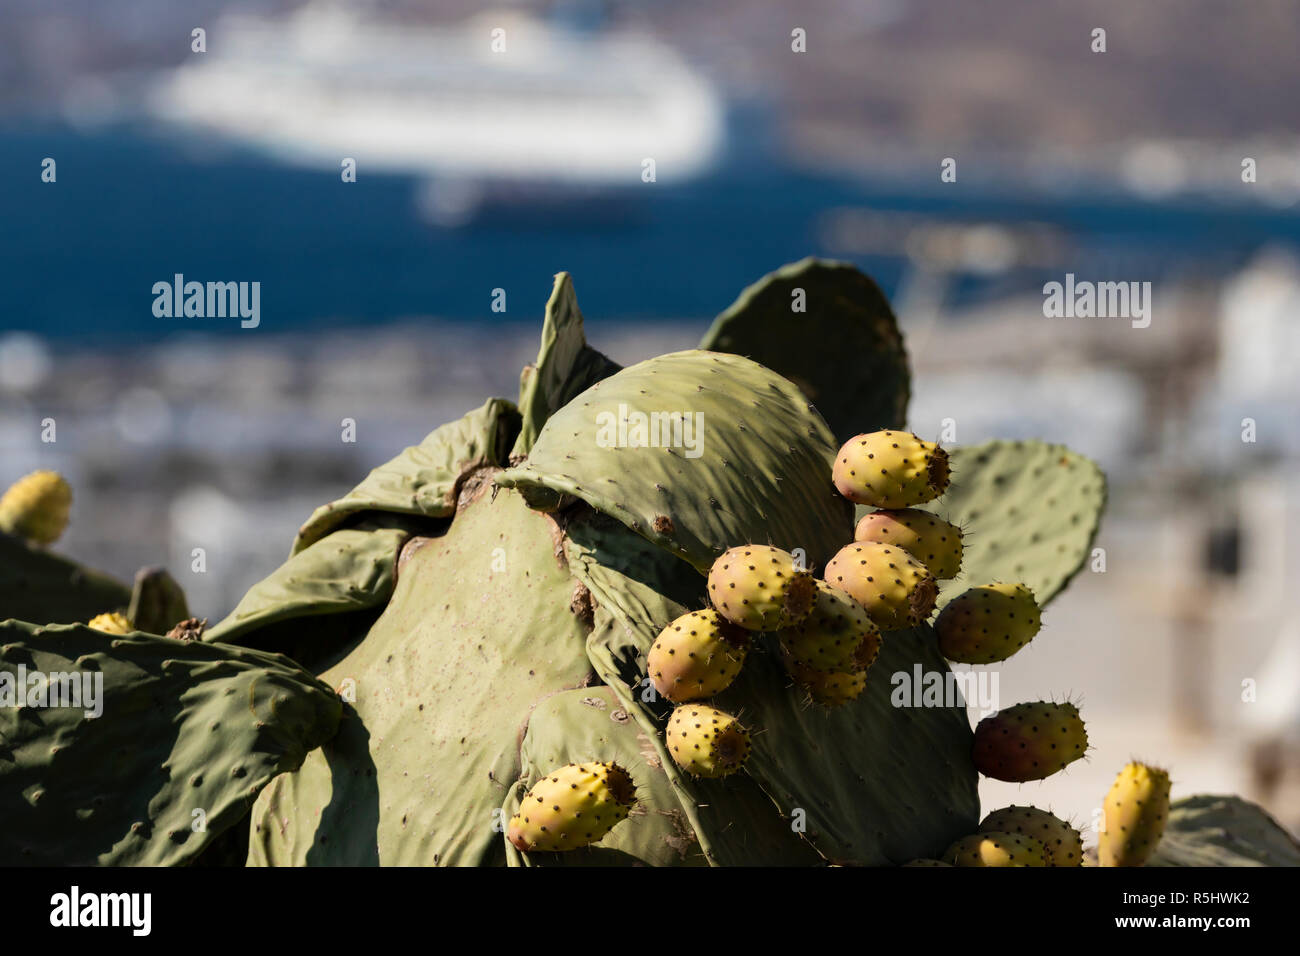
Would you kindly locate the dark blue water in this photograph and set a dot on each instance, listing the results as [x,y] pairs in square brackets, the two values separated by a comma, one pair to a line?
[78,258]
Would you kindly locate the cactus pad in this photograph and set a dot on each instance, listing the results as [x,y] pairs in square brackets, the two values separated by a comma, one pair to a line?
[1030,512]
[478,630]
[1223,831]
[424,480]
[185,727]
[566,365]
[36,585]
[751,464]
[843,349]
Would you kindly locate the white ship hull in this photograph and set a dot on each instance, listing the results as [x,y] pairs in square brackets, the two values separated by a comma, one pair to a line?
[321,87]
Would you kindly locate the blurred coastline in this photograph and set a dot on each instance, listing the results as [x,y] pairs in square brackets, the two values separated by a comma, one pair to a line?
[183,433]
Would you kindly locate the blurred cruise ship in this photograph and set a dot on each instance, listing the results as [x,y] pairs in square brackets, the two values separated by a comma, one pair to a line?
[500,98]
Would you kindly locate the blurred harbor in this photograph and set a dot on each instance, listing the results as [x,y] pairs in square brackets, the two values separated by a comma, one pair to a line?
[378,295]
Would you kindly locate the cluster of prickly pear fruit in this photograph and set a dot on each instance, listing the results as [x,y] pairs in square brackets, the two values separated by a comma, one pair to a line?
[572,807]
[753,588]
[892,568]
[1135,812]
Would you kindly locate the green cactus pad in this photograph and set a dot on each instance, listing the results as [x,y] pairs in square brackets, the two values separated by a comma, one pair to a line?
[1029,512]
[845,352]
[424,480]
[877,784]
[157,602]
[1223,831]
[36,585]
[321,597]
[185,726]
[566,365]
[762,474]
[588,725]
[479,629]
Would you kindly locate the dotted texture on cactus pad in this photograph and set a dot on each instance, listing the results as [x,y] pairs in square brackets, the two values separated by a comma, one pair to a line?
[698,452]
[183,726]
[443,681]
[1030,512]
[1221,830]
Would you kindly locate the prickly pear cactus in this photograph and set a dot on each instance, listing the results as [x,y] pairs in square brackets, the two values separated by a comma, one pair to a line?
[38,585]
[135,739]
[1030,512]
[829,329]
[480,613]
[1223,831]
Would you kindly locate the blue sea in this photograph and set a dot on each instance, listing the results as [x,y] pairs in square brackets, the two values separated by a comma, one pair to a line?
[132,207]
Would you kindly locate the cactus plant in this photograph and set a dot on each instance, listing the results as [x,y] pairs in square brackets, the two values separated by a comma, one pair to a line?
[483,609]
[165,749]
